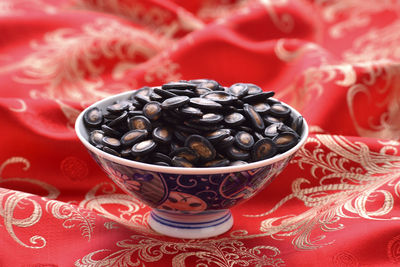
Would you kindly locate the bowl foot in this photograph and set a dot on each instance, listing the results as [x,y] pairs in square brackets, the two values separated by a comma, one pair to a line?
[200,225]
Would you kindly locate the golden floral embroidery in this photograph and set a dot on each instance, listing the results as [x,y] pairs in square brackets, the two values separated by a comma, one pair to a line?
[154,18]
[16,7]
[222,252]
[349,177]
[72,216]
[283,21]
[104,195]
[354,14]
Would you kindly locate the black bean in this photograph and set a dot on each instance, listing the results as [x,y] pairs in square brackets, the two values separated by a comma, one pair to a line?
[110,131]
[253,89]
[211,118]
[95,137]
[164,93]
[118,107]
[218,135]
[234,119]
[259,97]
[285,141]
[188,111]
[279,110]
[121,119]
[186,153]
[111,142]
[236,153]
[226,142]
[178,85]
[181,162]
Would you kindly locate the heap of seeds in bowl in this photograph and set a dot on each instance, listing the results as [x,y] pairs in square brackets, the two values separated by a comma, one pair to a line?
[196,123]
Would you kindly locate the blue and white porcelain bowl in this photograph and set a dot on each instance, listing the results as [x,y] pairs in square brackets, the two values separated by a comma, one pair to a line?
[187,202]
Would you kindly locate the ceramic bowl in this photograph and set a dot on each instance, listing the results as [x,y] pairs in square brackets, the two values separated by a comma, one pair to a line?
[187,202]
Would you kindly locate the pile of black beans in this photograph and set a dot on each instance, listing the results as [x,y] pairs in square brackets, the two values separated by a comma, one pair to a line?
[196,123]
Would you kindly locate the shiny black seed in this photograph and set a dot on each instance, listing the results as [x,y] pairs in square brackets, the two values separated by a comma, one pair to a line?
[133,113]
[259,97]
[178,85]
[236,153]
[93,117]
[204,103]
[258,136]
[143,99]
[238,89]
[126,153]
[188,111]
[238,163]
[181,162]
[226,142]
[135,104]
[181,136]
[111,142]
[162,134]
[255,118]
[174,102]
[204,83]
[144,91]
[111,151]
[234,119]
[263,149]
[217,163]
[285,141]
[143,147]
[253,89]
[164,93]
[186,153]
[271,120]
[244,140]
[219,97]
[201,146]
[118,107]
[272,130]
[297,125]
[121,119]
[133,136]
[191,129]
[110,131]
[211,118]
[156,97]
[161,157]
[261,108]
[279,110]
[95,137]
[218,135]
[201,91]
[161,163]
[186,92]
[139,122]
[152,110]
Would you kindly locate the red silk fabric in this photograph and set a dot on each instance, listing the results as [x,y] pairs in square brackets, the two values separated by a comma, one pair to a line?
[337,62]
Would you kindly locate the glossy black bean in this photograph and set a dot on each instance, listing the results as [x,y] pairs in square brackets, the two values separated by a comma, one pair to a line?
[253,89]
[262,108]
[121,119]
[164,93]
[110,131]
[191,112]
[256,98]
[178,85]
[210,118]
[279,110]
[226,142]
[218,135]
[297,125]
[111,151]
[272,130]
[236,153]
[118,107]
[161,157]
[186,92]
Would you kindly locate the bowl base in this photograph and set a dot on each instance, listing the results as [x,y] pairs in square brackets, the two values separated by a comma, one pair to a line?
[200,225]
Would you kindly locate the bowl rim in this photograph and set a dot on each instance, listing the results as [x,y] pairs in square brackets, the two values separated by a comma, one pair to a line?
[80,132]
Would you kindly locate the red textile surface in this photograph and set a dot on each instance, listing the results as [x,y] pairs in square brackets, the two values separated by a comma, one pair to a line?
[337,62]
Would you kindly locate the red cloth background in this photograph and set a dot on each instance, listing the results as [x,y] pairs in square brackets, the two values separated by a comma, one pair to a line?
[337,62]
